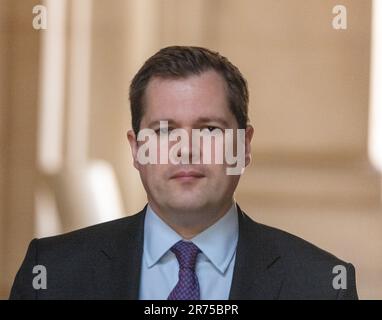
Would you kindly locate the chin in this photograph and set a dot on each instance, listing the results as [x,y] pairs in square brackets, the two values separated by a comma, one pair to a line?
[189,204]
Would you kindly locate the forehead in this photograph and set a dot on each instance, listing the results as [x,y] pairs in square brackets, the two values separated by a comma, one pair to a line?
[187,99]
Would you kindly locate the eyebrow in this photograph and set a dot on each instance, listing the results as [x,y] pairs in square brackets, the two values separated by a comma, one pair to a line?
[214,119]
[156,122]
[200,120]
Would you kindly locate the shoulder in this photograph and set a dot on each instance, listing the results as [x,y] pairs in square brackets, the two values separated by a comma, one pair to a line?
[293,247]
[288,245]
[70,259]
[307,268]
[94,236]
[98,230]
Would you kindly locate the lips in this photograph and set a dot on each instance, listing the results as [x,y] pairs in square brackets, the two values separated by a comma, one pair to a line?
[187,175]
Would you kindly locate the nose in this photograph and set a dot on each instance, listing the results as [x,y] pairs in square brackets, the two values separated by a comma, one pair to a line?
[189,150]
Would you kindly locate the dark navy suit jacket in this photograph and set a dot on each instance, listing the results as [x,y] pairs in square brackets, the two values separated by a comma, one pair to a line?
[104,262]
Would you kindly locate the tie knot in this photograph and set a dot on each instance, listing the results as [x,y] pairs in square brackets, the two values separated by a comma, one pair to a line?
[186,253]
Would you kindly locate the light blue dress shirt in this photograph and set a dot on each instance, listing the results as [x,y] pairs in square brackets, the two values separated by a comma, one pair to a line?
[214,265]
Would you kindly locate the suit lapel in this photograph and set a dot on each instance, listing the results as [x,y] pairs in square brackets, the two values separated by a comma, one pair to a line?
[117,267]
[258,272]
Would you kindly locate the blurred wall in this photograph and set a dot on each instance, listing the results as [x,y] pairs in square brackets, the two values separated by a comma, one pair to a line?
[308,99]
[19,61]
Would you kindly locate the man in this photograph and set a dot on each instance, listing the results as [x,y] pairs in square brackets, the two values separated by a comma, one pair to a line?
[192,240]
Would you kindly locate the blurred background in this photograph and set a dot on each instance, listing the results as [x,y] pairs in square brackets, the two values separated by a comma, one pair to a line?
[315,104]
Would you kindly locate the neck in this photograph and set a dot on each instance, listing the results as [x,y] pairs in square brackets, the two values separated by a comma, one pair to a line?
[189,223]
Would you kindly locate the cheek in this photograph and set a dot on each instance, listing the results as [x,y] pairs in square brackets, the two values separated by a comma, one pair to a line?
[219,150]
[147,174]
[219,174]
[212,151]
[153,175]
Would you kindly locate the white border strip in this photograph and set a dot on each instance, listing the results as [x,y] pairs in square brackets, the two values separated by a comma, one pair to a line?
[375,114]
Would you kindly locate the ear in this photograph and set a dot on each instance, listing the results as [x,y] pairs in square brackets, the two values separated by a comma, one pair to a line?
[131,137]
[249,131]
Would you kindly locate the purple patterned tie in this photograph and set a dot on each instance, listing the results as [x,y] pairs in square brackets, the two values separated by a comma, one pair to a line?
[187,287]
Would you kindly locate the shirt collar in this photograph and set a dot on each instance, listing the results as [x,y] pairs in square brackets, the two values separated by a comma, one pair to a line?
[159,237]
[218,242]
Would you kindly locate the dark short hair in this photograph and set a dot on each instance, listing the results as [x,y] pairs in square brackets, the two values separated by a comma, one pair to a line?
[181,62]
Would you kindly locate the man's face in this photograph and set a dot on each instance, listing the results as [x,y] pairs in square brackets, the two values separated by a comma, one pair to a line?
[195,102]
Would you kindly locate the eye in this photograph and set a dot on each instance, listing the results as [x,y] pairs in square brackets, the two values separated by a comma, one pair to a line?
[164,130]
[211,128]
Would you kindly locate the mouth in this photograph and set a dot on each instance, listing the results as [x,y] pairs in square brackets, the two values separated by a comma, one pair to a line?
[187,176]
